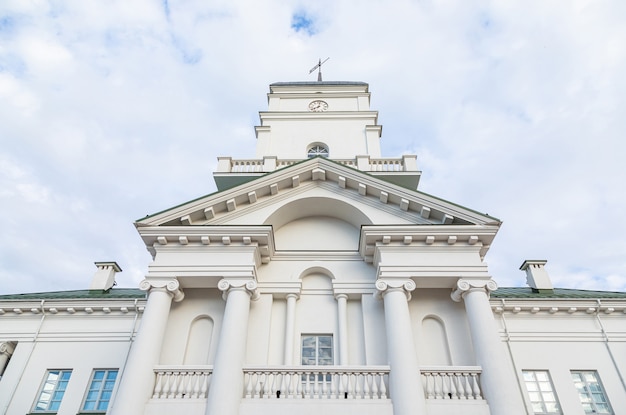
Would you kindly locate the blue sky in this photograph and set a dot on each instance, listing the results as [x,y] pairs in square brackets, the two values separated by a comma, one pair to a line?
[111,111]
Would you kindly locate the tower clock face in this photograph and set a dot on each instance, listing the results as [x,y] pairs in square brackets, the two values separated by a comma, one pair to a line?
[318,106]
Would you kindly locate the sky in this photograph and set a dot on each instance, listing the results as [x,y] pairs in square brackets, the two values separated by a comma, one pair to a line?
[112,110]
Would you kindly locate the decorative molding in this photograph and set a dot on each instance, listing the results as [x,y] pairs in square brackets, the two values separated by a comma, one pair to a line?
[171,286]
[464,286]
[388,285]
[7,348]
[247,285]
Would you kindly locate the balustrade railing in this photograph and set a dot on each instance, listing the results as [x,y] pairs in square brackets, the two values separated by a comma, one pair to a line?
[316,382]
[181,382]
[386,165]
[452,382]
[261,165]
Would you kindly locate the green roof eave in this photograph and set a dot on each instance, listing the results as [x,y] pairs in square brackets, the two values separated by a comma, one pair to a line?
[113,293]
[563,293]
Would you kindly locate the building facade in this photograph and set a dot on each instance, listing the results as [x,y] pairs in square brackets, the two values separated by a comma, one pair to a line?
[316,279]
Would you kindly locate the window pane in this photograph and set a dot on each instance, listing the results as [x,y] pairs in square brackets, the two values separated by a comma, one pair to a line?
[100,389]
[590,392]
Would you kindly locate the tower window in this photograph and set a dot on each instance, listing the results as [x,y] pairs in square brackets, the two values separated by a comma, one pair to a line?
[317,150]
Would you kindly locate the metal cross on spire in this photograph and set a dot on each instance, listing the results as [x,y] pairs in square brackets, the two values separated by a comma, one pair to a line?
[318,66]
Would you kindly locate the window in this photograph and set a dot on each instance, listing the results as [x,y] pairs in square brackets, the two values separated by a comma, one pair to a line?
[52,391]
[591,393]
[317,150]
[100,390]
[317,350]
[541,392]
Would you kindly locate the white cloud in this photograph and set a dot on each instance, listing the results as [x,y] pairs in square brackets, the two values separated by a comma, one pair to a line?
[112,111]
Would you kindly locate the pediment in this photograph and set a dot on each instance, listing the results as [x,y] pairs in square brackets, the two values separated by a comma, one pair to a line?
[317,187]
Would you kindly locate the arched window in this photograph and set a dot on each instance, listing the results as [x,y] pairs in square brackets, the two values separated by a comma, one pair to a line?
[317,149]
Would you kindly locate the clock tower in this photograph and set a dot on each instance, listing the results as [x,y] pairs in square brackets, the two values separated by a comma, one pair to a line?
[309,119]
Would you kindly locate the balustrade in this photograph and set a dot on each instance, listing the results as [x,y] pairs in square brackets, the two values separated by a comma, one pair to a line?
[316,382]
[258,165]
[182,382]
[452,383]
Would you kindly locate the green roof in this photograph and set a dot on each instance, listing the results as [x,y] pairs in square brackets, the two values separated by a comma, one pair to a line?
[527,292]
[79,294]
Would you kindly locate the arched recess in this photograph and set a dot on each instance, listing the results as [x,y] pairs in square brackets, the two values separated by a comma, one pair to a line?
[317,223]
[436,349]
[199,341]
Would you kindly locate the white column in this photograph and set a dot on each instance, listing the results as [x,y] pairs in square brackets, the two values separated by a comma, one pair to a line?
[342,317]
[405,382]
[137,382]
[227,382]
[290,327]
[498,380]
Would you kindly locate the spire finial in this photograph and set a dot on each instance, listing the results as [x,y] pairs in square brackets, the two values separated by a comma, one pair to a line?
[319,66]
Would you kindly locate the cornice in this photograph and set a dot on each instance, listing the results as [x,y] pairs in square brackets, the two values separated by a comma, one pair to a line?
[82,307]
[214,208]
[260,238]
[429,237]
[559,306]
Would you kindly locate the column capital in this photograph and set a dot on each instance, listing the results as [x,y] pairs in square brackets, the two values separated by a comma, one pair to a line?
[171,286]
[341,295]
[388,285]
[247,285]
[7,348]
[464,286]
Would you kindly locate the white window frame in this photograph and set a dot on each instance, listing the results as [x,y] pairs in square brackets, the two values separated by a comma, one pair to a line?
[317,338]
[541,392]
[317,149]
[52,387]
[105,387]
[589,390]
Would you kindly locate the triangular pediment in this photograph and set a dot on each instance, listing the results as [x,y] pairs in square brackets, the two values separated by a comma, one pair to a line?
[319,187]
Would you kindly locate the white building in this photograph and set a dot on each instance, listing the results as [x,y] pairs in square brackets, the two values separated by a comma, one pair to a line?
[317,279]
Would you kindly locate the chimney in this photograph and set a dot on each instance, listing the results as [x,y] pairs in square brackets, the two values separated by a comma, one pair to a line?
[536,276]
[104,277]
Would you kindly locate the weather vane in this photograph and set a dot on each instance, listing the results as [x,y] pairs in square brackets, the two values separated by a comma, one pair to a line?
[318,66]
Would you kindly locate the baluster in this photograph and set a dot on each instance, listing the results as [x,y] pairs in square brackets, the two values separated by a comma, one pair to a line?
[445,383]
[267,386]
[249,385]
[183,384]
[316,385]
[366,385]
[342,387]
[258,383]
[292,386]
[324,385]
[383,387]
[205,385]
[453,391]
[357,385]
[333,385]
[178,388]
[169,385]
[307,386]
[284,385]
[158,386]
[476,388]
[467,386]
[375,377]
[350,387]
[300,386]
[438,386]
